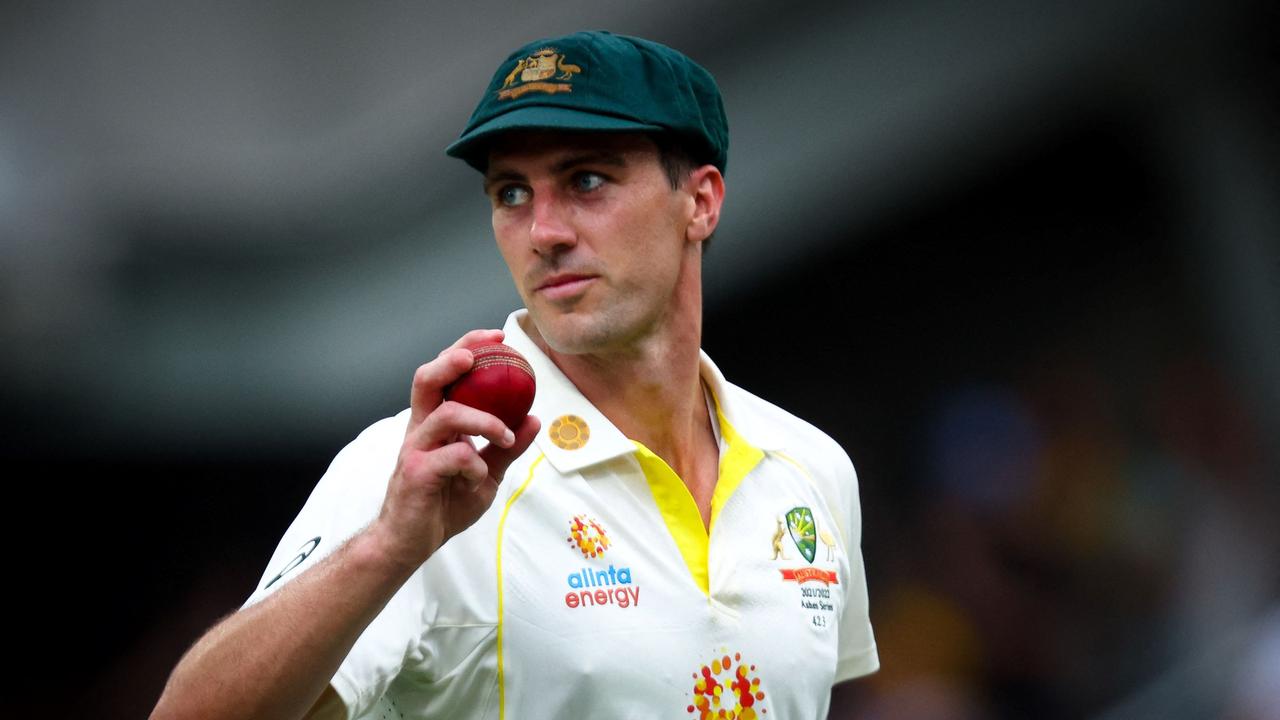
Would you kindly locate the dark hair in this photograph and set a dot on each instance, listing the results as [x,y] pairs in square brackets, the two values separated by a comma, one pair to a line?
[677,160]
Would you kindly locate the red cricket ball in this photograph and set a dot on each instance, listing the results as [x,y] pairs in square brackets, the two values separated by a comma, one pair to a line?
[500,382]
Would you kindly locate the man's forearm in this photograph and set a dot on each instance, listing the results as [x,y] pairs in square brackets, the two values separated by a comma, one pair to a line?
[275,658]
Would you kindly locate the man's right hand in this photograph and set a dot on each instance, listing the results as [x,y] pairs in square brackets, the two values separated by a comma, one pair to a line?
[442,483]
[275,659]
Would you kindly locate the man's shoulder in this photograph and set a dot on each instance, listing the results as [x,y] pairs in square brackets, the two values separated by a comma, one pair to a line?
[387,431]
[799,443]
[366,459]
[780,430]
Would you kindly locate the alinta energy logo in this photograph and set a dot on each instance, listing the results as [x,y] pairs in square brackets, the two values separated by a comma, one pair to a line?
[594,586]
[588,535]
[727,688]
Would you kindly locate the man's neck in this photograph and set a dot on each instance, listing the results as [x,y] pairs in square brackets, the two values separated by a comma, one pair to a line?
[652,392]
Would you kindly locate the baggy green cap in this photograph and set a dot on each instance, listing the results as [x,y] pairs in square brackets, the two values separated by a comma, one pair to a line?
[599,82]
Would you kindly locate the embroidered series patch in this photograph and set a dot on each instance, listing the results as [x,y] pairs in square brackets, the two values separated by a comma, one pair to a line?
[816,597]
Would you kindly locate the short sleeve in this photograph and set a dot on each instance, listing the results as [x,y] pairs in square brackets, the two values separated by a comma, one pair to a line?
[857,656]
[347,498]
[390,643]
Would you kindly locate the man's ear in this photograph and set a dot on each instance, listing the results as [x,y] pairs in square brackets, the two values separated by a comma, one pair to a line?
[706,186]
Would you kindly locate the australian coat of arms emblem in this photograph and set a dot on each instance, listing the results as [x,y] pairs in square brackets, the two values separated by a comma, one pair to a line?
[539,72]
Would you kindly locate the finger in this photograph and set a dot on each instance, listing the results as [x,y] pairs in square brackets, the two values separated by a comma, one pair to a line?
[479,337]
[469,504]
[451,419]
[430,380]
[498,459]
[465,492]
[459,460]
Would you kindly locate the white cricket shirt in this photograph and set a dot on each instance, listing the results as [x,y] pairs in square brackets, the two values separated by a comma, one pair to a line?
[591,588]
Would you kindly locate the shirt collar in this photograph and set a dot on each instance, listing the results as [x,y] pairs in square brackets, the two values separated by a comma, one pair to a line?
[567,417]
[566,413]
[738,408]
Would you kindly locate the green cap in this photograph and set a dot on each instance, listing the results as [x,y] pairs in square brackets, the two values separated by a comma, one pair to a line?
[599,82]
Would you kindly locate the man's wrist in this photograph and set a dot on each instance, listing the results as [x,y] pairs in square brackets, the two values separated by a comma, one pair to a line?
[379,551]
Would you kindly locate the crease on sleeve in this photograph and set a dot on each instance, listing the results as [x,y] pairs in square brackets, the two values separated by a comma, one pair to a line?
[390,643]
[348,693]
[858,664]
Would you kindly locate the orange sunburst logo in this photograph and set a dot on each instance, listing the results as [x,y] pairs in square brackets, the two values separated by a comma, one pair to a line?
[588,535]
[569,432]
[727,688]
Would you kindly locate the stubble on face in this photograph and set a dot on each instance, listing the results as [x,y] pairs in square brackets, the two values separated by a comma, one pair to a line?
[624,239]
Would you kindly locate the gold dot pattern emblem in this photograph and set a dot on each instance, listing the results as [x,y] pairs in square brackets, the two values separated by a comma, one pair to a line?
[569,432]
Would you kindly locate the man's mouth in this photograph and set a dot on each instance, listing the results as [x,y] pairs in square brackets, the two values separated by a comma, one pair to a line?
[564,285]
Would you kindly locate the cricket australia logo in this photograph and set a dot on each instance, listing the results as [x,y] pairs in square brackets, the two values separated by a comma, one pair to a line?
[816,599]
[801,526]
[534,72]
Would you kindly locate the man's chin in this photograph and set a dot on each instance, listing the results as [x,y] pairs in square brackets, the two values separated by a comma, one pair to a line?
[571,333]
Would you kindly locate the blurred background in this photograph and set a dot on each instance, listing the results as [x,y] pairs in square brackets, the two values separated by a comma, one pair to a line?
[1020,259]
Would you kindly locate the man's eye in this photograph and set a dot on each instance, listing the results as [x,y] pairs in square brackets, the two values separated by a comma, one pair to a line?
[587,181]
[513,195]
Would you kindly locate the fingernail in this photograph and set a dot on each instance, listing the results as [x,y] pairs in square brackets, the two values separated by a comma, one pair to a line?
[508,438]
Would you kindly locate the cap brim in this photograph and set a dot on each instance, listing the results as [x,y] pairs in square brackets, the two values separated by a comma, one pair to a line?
[473,145]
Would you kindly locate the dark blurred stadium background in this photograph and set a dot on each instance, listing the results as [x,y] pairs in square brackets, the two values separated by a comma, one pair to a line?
[1020,259]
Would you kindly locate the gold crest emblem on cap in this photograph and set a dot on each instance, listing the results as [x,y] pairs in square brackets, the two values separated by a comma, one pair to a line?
[569,432]
[532,73]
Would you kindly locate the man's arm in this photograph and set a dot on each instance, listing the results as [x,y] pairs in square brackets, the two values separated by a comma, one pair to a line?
[275,659]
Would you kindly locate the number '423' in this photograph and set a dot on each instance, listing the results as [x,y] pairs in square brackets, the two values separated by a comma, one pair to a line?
[819,621]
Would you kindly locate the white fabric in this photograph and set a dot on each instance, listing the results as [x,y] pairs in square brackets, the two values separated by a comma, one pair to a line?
[434,651]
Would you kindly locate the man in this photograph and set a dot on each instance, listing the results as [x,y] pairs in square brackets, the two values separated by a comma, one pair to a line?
[650,547]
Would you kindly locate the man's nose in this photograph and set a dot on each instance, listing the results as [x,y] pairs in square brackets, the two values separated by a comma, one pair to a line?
[551,227]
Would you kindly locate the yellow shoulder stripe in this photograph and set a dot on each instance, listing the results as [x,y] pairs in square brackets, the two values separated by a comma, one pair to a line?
[502,523]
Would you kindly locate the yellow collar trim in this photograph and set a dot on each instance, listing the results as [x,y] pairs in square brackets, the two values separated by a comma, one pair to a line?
[680,512]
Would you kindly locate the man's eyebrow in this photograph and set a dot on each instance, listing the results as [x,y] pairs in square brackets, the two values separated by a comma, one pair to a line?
[501,177]
[592,157]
